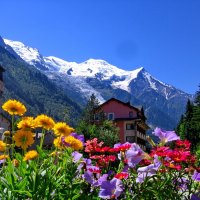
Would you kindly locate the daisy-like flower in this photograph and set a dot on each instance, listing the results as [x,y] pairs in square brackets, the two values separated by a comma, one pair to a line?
[58,143]
[14,107]
[23,139]
[44,121]
[2,146]
[72,142]
[31,155]
[62,128]
[27,123]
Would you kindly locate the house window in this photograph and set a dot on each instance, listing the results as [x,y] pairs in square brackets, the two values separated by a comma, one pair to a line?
[130,139]
[110,116]
[130,126]
[131,114]
[96,117]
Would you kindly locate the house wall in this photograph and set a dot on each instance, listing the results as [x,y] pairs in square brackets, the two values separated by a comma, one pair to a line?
[120,125]
[119,110]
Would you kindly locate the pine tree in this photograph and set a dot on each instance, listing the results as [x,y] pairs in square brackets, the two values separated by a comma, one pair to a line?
[189,125]
[89,111]
[197,97]
[181,128]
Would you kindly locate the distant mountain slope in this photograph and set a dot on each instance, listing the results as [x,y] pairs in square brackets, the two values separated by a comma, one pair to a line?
[163,103]
[40,95]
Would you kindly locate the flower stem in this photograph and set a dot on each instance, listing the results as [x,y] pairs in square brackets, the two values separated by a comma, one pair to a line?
[12,133]
[42,138]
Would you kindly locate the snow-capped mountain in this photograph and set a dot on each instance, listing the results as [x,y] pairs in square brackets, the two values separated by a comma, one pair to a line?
[80,80]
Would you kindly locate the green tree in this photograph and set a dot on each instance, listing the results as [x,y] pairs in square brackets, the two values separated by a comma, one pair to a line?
[197,97]
[93,124]
[189,125]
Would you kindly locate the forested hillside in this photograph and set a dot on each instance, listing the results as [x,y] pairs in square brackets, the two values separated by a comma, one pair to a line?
[27,84]
[189,125]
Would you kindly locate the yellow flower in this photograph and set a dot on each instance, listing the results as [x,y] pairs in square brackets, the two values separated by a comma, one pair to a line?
[27,123]
[44,121]
[14,107]
[23,139]
[15,162]
[2,157]
[30,155]
[58,143]
[2,146]
[73,143]
[55,153]
[62,128]
[6,133]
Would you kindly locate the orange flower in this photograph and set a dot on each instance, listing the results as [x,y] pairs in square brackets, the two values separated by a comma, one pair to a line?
[58,143]
[14,107]
[2,146]
[30,155]
[62,128]
[23,139]
[27,123]
[44,121]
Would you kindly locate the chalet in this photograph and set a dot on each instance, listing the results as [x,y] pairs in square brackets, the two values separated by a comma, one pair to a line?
[129,119]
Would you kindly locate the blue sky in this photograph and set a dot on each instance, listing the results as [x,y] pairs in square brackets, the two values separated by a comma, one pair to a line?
[163,36]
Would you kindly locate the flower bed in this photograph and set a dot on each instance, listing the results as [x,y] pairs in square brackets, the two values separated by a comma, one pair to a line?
[75,169]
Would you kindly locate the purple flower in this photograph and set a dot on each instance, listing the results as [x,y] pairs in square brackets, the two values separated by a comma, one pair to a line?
[148,171]
[123,147]
[111,189]
[196,176]
[92,176]
[195,196]
[182,183]
[2,161]
[165,136]
[134,155]
[75,135]
[76,156]
[100,180]
[79,137]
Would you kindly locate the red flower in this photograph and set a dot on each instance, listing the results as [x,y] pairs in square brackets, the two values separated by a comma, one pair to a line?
[102,149]
[172,165]
[104,161]
[122,175]
[92,145]
[145,162]
[179,156]
[121,147]
[183,144]
[160,151]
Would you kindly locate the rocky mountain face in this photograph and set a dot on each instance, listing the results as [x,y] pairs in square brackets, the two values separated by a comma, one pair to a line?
[163,103]
[40,95]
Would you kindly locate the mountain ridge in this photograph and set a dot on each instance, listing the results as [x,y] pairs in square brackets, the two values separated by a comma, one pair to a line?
[96,76]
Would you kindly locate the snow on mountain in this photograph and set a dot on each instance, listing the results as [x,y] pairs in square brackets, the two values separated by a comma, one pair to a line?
[92,68]
[28,54]
[96,76]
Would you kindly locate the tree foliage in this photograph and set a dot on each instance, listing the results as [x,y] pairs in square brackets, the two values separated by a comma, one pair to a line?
[189,124]
[27,84]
